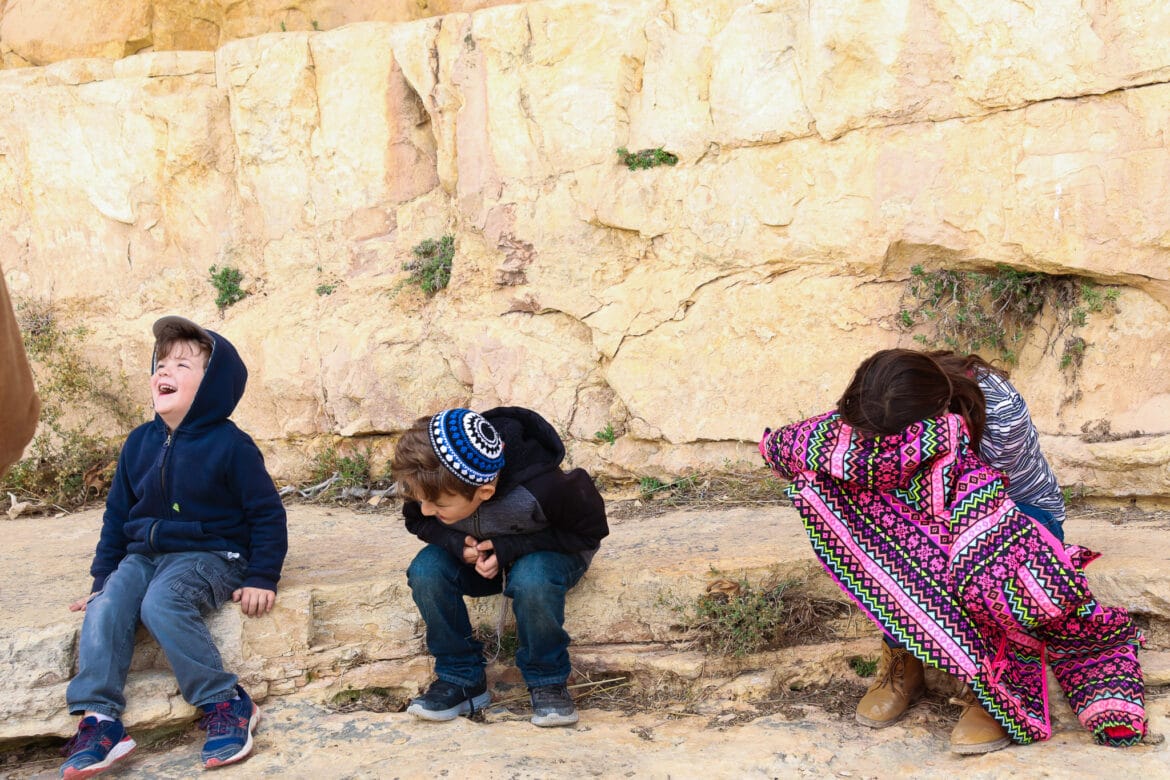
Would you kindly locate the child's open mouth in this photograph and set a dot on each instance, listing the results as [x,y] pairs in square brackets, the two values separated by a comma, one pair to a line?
[166,389]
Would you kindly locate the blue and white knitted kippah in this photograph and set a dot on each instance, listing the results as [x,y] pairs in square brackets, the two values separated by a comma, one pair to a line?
[467,445]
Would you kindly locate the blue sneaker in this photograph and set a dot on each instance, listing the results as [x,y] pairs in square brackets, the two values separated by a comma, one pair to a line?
[95,747]
[229,726]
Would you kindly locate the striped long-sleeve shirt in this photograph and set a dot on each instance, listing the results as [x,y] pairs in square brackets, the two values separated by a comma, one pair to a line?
[1011,444]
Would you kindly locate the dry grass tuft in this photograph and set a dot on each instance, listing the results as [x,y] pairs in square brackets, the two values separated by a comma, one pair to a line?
[369,700]
[735,618]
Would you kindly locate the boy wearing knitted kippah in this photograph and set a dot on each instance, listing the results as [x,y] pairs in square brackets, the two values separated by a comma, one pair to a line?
[488,496]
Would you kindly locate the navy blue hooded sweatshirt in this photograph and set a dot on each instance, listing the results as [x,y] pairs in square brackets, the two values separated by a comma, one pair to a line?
[202,486]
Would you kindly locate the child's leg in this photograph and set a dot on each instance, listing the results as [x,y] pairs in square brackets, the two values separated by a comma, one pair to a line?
[185,586]
[438,583]
[1044,518]
[537,584]
[107,640]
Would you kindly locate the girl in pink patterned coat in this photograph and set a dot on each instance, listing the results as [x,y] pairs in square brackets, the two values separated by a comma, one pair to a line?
[959,569]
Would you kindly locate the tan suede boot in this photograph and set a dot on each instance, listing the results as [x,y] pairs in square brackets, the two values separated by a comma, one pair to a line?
[899,684]
[976,732]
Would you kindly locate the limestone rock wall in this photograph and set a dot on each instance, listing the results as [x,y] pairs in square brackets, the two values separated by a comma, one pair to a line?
[40,32]
[824,149]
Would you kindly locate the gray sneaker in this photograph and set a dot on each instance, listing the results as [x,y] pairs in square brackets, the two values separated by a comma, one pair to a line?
[446,701]
[552,706]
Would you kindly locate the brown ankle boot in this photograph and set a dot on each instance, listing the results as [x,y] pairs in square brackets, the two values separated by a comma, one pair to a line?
[899,684]
[976,732]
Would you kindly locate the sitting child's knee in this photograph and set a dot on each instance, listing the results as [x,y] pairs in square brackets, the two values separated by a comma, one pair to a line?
[430,564]
[533,582]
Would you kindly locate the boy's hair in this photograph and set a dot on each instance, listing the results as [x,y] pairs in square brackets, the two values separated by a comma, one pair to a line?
[894,388]
[169,331]
[416,468]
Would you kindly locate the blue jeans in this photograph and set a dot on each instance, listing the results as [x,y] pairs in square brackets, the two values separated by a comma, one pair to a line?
[1044,518]
[536,583]
[170,592]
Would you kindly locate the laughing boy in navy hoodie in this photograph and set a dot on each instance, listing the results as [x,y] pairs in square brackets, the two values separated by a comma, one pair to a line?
[192,521]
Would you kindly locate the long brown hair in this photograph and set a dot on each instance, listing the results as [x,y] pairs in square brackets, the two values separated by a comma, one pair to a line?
[896,387]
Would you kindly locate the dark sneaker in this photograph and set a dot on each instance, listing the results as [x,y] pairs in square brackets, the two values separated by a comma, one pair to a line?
[229,726]
[95,747]
[447,701]
[552,706]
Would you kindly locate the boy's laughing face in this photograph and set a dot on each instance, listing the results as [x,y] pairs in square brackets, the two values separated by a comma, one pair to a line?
[175,381]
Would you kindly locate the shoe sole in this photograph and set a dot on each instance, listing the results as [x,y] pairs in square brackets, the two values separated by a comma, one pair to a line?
[881,724]
[465,707]
[119,751]
[216,763]
[554,719]
[982,747]
[878,724]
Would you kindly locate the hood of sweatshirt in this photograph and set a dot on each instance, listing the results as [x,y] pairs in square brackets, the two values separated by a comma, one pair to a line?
[828,445]
[221,389]
[531,445]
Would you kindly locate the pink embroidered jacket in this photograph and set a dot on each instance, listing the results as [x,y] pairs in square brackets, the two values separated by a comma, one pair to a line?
[922,535]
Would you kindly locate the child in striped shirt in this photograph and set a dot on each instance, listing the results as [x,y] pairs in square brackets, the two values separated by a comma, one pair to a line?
[1008,442]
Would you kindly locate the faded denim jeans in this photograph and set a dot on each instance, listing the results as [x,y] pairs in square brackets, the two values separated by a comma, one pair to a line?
[170,592]
[536,583]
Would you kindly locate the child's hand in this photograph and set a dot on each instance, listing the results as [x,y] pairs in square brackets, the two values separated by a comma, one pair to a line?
[470,554]
[254,602]
[81,603]
[487,565]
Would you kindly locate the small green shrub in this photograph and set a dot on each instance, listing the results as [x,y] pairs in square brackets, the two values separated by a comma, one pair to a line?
[1073,354]
[992,312]
[741,623]
[69,462]
[607,435]
[648,486]
[430,269]
[684,489]
[646,158]
[347,696]
[351,470]
[970,311]
[1078,494]
[226,282]
[865,667]
[735,618]
[326,289]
